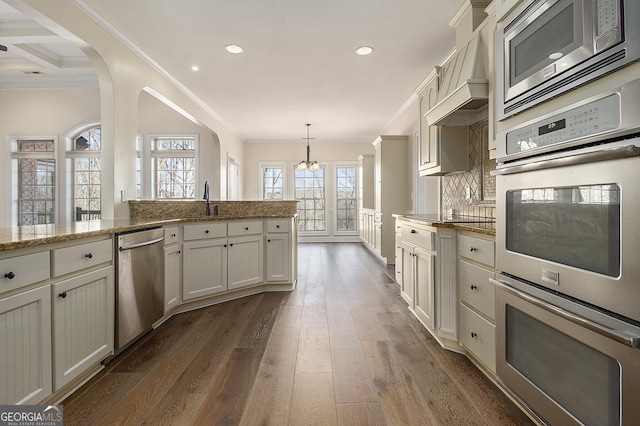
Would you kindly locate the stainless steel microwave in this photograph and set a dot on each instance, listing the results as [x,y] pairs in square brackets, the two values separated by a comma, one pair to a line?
[548,47]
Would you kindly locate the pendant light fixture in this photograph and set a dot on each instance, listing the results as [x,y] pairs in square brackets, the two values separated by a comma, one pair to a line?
[308,165]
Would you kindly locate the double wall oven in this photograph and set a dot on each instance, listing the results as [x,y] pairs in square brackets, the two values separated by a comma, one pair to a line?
[568,243]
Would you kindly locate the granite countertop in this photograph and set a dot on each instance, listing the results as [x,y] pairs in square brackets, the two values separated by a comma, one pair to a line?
[31,236]
[485,226]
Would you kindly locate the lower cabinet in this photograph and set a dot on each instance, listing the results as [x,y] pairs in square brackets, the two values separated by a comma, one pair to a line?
[172,276]
[418,280]
[278,258]
[477,299]
[244,261]
[83,318]
[204,268]
[25,353]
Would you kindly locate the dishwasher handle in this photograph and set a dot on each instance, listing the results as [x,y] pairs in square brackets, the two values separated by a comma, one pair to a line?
[141,244]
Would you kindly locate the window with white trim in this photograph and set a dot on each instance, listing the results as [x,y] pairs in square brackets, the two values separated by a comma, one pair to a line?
[309,190]
[85,158]
[173,160]
[346,198]
[34,171]
[272,181]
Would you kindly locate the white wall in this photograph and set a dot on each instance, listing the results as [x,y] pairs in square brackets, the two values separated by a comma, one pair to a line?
[294,152]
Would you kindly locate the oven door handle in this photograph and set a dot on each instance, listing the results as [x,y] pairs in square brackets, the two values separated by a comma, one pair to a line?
[590,157]
[615,335]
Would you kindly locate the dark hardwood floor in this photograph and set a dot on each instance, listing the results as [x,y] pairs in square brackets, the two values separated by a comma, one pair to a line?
[342,349]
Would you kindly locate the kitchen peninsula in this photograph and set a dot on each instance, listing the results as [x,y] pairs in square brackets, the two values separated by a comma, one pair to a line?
[58,282]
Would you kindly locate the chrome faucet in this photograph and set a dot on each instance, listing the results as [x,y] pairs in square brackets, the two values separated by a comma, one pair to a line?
[206,197]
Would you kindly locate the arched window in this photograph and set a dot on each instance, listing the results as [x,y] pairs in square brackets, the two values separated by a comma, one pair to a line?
[85,170]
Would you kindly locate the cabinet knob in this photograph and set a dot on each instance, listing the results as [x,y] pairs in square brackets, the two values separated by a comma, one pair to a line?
[473,249]
[246,228]
[269,241]
[473,287]
[179,251]
[206,232]
[63,295]
[224,245]
[173,235]
[277,226]
[230,245]
[413,231]
[474,335]
[89,255]
[10,275]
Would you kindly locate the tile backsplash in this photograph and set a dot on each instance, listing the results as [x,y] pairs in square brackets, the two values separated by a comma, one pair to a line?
[472,193]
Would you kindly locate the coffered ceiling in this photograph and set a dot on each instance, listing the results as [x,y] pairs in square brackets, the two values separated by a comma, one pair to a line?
[298,66]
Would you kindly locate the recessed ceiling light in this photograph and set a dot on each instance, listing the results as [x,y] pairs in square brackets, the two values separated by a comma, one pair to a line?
[364,50]
[195,68]
[233,48]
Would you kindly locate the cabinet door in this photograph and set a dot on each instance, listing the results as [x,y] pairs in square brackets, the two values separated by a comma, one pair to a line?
[172,257]
[204,268]
[245,261]
[424,287]
[428,156]
[278,258]
[83,318]
[399,265]
[407,290]
[25,353]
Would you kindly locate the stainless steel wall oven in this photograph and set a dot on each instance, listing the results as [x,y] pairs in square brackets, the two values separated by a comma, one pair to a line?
[568,243]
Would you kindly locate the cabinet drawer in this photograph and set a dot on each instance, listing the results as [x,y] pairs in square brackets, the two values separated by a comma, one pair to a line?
[476,290]
[81,256]
[477,249]
[19,271]
[245,228]
[171,235]
[417,236]
[478,336]
[201,231]
[278,225]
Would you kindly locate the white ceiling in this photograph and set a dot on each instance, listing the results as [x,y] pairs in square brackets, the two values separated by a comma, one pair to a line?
[299,64]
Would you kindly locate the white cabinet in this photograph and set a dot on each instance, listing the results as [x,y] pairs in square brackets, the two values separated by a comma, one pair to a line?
[204,267]
[417,278]
[218,257]
[172,267]
[427,256]
[83,308]
[477,298]
[25,352]
[83,318]
[392,196]
[278,246]
[443,149]
[366,182]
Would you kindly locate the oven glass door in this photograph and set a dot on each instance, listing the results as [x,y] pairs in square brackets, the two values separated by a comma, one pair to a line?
[555,37]
[581,379]
[577,226]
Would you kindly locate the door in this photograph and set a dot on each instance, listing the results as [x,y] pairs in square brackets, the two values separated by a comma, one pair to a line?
[278,258]
[204,268]
[424,287]
[245,265]
[172,256]
[83,318]
[407,290]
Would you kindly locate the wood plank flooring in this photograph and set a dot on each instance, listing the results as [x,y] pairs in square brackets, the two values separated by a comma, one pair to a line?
[342,349]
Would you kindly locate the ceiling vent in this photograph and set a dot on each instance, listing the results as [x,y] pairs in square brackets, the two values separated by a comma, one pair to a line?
[463,92]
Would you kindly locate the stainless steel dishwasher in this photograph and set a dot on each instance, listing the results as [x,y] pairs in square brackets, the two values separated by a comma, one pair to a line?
[139,284]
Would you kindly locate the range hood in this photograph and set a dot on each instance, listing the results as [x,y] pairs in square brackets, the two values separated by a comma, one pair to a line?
[463,94]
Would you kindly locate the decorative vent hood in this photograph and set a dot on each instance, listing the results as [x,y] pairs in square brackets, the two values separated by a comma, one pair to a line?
[463,92]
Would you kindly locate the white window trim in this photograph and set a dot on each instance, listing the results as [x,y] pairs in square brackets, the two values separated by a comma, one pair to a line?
[231,159]
[12,174]
[327,209]
[148,171]
[285,178]
[334,190]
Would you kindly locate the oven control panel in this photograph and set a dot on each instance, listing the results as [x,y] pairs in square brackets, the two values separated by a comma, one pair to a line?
[596,117]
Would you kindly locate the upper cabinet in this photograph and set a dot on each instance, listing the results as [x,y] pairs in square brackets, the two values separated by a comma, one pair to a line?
[443,149]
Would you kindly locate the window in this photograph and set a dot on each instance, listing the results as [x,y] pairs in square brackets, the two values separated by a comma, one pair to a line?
[35,174]
[272,181]
[346,199]
[309,189]
[86,164]
[174,167]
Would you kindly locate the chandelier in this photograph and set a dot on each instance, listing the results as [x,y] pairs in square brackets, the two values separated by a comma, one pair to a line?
[308,165]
